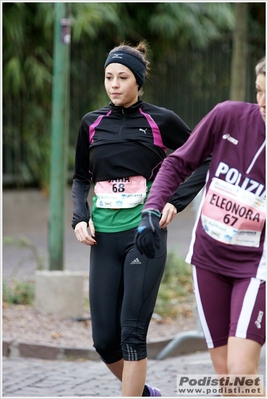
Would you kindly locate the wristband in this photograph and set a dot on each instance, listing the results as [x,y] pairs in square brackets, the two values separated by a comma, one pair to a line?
[155,212]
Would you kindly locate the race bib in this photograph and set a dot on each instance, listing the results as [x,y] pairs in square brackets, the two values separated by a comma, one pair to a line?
[126,192]
[232,215]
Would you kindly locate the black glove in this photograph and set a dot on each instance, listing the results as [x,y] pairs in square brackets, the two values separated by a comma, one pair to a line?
[148,236]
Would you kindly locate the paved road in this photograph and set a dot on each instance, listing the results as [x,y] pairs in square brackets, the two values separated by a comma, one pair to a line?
[24,377]
[44,378]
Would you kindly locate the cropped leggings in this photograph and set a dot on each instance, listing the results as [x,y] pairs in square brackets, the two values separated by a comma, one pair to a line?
[123,290]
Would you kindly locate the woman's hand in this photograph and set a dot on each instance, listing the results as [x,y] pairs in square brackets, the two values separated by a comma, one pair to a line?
[81,232]
[168,213]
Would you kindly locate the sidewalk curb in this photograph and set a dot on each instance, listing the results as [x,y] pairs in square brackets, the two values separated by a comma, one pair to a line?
[11,348]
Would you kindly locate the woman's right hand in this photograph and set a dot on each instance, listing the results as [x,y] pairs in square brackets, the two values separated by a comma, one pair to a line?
[81,232]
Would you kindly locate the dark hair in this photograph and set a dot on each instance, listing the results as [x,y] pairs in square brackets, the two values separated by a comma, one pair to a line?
[138,51]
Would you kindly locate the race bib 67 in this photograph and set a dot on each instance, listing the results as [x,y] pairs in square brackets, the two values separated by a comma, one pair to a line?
[232,215]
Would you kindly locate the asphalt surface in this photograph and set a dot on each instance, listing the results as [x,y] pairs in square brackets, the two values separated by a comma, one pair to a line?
[25,216]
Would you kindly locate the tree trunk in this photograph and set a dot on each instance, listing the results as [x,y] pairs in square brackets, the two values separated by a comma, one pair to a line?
[239,53]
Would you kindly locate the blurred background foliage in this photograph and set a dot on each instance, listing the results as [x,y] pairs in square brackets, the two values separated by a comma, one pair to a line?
[191,53]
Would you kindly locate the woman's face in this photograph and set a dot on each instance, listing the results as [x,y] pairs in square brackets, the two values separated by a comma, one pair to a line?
[261,94]
[121,85]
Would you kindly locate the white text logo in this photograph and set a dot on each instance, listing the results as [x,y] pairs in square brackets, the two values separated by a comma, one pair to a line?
[229,138]
[136,262]
[259,319]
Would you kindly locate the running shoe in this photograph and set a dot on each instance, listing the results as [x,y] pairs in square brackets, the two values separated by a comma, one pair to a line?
[153,391]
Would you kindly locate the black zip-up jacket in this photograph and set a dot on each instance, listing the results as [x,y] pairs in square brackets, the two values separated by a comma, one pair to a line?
[115,142]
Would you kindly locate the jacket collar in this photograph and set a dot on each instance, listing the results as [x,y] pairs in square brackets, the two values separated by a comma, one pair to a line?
[129,110]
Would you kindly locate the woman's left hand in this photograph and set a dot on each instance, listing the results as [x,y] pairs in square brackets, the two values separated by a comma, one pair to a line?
[168,213]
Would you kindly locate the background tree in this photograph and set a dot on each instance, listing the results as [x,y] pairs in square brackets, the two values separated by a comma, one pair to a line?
[239,53]
[191,47]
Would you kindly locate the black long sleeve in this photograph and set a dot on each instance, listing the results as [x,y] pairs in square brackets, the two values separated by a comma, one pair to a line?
[81,210]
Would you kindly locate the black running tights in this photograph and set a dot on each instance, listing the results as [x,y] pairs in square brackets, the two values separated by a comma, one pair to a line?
[123,290]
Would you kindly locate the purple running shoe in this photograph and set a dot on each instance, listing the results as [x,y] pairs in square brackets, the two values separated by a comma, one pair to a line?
[153,391]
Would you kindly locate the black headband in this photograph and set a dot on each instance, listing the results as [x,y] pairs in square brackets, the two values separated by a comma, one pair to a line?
[130,61]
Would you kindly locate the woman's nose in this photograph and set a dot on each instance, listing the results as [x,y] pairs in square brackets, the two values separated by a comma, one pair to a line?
[115,83]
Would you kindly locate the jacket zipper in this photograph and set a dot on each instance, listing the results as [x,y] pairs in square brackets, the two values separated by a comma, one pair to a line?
[120,130]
